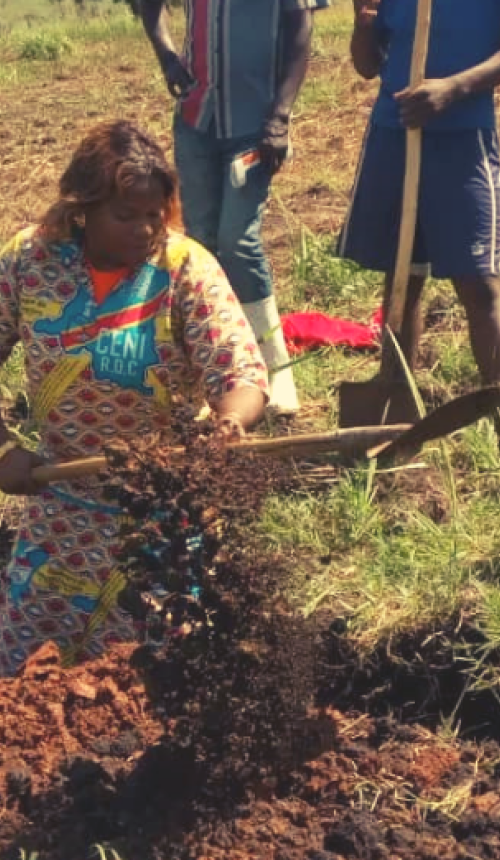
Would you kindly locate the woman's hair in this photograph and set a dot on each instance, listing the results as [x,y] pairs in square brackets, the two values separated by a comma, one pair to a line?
[112,158]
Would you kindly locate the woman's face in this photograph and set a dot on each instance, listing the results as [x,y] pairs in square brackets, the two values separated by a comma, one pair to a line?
[123,231]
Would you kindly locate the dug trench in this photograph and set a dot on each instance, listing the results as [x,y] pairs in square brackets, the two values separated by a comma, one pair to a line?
[238,730]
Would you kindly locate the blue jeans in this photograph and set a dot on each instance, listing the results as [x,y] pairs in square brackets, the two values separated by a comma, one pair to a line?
[226,220]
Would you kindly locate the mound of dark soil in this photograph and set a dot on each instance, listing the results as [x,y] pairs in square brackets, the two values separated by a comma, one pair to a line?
[215,739]
[84,760]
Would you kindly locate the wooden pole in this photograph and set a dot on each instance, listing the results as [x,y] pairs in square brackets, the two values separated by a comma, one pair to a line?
[412,177]
[354,440]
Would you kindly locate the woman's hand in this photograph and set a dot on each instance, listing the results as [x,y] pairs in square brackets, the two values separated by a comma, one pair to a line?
[229,427]
[237,411]
[16,469]
[366,44]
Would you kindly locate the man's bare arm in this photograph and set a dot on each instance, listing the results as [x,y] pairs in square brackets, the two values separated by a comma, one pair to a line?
[485,76]
[297,34]
[435,95]
[155,17]
[366,50]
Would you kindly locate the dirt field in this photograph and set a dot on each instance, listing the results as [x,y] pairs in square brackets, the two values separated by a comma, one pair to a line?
[82,763]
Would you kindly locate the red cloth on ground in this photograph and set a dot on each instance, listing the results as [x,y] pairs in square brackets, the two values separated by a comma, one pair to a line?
[309,330]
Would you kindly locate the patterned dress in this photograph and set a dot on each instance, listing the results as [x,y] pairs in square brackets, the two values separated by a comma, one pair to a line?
[97,372]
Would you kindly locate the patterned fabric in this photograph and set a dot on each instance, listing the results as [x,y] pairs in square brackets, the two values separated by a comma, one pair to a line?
[231,51]
[97,372]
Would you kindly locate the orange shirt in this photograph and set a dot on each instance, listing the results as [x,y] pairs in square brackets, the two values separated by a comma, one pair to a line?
[105,282]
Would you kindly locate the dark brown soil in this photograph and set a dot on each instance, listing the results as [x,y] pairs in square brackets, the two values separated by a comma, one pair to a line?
[83,761]
[236,731]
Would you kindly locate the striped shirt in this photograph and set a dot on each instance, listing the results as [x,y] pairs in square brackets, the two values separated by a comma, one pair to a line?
[231,51]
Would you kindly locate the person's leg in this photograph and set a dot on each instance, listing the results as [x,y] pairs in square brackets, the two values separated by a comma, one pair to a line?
[241,253]
[239,242]
[200,168]
[462,221]
[480,297]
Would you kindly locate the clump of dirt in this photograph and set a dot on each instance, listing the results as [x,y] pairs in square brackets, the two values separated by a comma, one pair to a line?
[425,484]
[430,674]
[231,665]
[442,313]
[55,728]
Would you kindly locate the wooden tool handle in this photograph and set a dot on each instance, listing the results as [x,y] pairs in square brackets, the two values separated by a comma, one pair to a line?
[69,471]
[351,441]
[412,177]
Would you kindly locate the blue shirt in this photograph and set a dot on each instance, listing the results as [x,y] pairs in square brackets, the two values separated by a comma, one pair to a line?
[464,33]
[232,53]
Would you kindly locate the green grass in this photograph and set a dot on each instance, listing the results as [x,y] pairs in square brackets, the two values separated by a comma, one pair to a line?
[31,13]
[391,560]
[12,378]
[45,46]
[52,40]
[60,49]
[388,566]
[323,281]
[18,11]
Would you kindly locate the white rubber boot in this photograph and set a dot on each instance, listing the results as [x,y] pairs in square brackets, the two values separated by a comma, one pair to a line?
[264,318]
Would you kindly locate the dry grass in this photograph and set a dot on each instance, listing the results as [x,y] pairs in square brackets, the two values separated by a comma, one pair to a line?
[46,107]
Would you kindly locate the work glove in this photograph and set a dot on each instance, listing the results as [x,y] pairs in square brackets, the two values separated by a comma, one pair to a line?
[177,77]
[275,142]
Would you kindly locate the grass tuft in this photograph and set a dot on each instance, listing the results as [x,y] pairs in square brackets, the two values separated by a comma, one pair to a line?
[103,853]
[45,46]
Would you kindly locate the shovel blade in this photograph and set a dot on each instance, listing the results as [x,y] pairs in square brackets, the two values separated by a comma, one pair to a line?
[375,402]
[446,419]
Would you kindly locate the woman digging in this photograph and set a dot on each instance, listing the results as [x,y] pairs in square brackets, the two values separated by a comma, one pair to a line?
[119,315]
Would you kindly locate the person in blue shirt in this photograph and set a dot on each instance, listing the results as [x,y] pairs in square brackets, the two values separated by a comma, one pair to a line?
[458,223]
[236,81]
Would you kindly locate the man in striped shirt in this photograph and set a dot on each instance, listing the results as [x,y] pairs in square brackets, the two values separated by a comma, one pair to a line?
[236,81]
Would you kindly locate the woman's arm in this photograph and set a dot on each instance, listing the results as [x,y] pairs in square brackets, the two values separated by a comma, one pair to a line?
[239,410]
[219,342]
